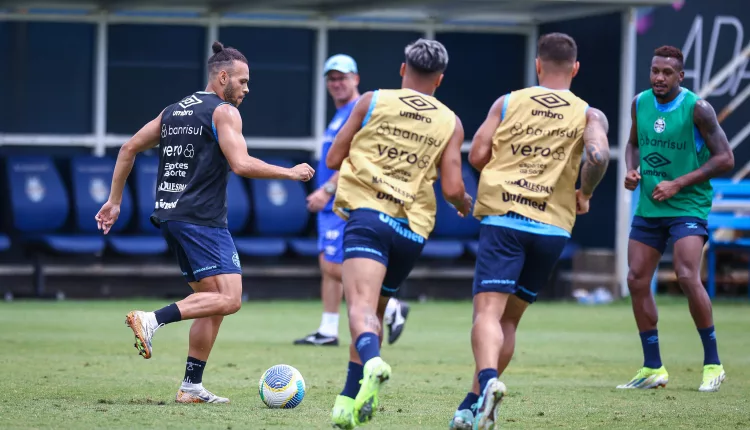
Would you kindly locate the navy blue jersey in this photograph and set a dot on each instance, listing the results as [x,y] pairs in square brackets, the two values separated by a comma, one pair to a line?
[193,172]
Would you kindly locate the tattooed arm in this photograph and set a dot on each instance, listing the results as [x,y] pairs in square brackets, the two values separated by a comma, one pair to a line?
[720,161]
[722,157]
[597,151]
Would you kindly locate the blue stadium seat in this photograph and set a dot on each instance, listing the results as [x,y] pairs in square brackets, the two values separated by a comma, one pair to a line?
[737,194]
[91,178]
[39,206]
[238,204]
[148,241]
[452,234]
[4,242]
[280,214]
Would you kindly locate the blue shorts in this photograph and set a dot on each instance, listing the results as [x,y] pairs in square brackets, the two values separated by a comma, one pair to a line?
[657,232]
[515,262]
[201,251]
[377,236]
[331,236]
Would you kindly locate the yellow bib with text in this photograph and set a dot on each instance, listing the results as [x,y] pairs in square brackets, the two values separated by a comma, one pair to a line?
[536,156]
[392,162]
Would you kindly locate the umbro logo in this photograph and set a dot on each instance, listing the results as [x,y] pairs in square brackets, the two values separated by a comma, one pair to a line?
[190,101]
[656,160]
[550,100]
[418,103]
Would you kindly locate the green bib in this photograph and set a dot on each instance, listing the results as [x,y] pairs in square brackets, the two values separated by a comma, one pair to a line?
[670,147]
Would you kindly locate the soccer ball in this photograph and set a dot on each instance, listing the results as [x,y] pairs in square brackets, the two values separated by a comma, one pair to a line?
[282,387]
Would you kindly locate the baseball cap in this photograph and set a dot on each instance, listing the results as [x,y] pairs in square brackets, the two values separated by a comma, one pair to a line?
[341,63]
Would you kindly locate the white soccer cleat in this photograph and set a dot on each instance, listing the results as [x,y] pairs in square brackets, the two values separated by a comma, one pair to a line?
[462,420]
[198,396]
[713,376]
[144,326]
[489,405]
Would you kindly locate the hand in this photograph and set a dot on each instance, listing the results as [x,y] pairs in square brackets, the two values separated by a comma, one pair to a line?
[466,206]
[317,200]
[582,203]
[631,179]
[107,216]
[301,172]
[665,190]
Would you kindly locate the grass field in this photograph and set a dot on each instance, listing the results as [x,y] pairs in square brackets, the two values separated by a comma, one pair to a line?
[73,365]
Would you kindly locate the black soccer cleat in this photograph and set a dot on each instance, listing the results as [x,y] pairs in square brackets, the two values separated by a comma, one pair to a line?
[318,339]
[396,327]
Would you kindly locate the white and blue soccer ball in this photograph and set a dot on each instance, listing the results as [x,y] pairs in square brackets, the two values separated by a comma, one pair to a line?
[282,387]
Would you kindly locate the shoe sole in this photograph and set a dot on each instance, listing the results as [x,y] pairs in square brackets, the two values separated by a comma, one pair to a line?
[394,335]
[660,383]
[460,425]
[134,322]
[336,343]
[194,399]
[489,417]
[721,381]
[367,406]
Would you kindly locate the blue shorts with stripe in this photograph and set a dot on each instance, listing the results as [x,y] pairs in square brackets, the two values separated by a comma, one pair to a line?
[516,255]
[658,232]
[377,236]
[201,251]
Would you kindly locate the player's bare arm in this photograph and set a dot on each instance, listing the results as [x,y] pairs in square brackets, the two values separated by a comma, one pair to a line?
[343,142]
[596,147]
[229,129]
[451,177]
[632,152]
[481,146]
[146,138]
[720,161]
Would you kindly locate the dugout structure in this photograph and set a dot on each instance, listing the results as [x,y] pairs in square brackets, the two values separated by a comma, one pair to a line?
[427,17]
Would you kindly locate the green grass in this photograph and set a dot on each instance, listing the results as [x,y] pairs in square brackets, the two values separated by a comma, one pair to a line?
[73,365]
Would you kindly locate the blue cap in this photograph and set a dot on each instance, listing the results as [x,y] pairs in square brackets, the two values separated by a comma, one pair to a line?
[341,63]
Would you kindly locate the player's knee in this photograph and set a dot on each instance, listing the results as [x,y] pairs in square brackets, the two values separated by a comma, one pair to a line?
[689,278]
[232,305]
[638,278]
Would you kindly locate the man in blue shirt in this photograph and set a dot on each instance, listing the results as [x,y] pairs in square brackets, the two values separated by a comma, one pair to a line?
[342,79]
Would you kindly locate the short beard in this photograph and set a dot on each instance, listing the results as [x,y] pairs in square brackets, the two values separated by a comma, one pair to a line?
[228,92]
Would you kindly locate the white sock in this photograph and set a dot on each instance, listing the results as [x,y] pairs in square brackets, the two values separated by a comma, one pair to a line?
[390,311]
[329,324]
[191,387]
[151,318]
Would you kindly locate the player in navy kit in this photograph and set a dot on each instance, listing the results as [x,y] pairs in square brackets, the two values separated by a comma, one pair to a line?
[200,140]
[342,77]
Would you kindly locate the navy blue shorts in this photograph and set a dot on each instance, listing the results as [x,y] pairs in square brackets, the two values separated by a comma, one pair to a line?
[657,232]
[331,236]
[515,262]
[201,251]
[377,236]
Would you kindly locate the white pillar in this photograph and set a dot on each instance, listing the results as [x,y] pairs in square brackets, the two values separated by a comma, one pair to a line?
[100,88]
[212,35]
[531,41]
[624,197]
[319,86]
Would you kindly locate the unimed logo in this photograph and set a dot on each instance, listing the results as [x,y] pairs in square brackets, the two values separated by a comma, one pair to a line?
[520,198]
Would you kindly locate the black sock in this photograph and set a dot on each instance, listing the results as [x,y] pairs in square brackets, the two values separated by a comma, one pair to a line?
[168,314]
[194,371]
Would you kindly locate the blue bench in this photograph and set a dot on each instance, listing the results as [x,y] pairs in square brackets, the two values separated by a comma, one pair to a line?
[734,194]
[452,235]
[279,218]
[147,239]
[40,208]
